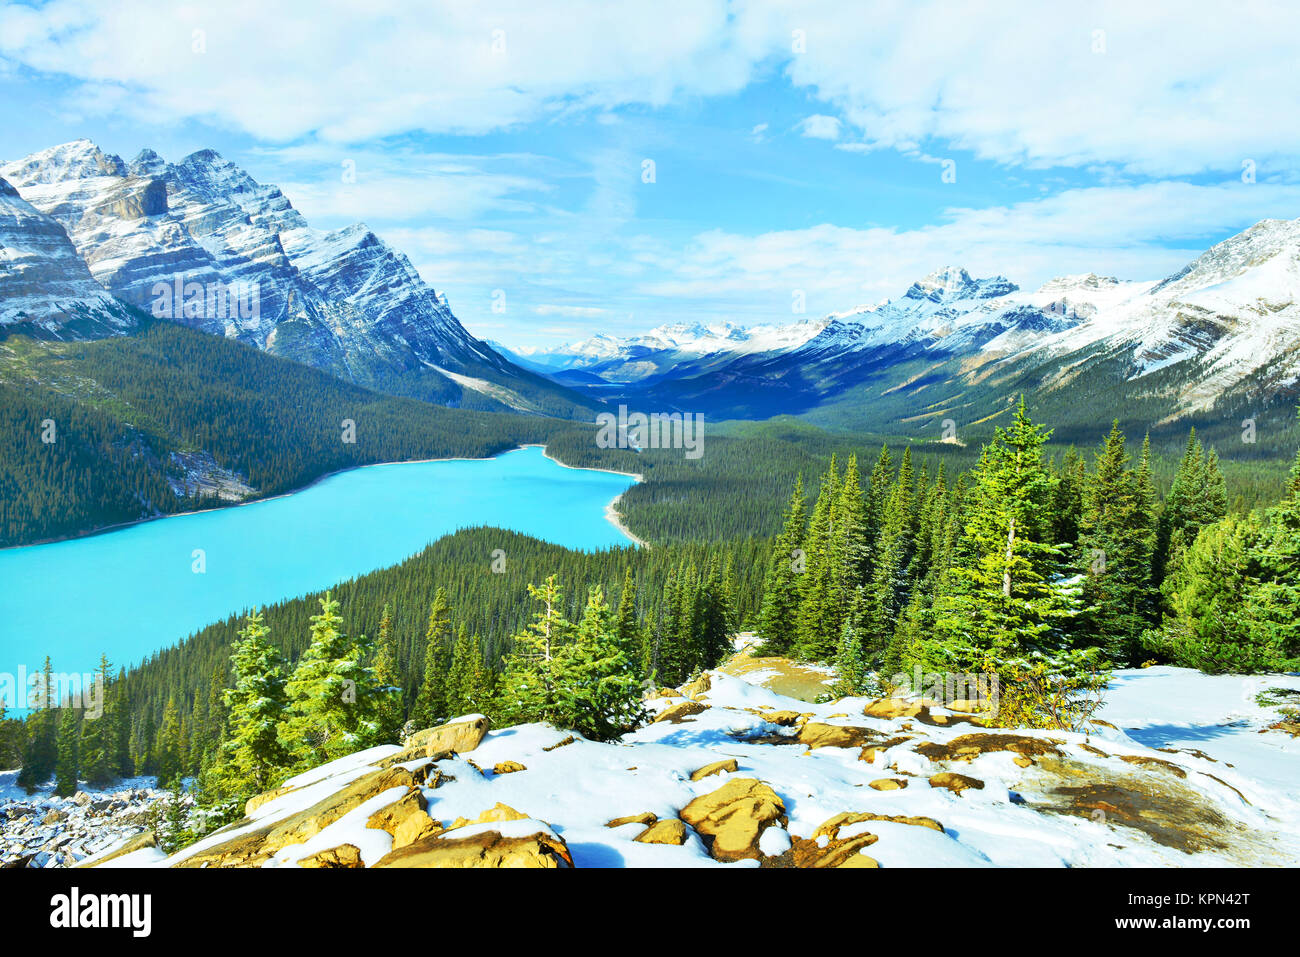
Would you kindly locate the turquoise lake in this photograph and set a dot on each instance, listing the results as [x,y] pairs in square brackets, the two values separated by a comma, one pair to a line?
[133,590]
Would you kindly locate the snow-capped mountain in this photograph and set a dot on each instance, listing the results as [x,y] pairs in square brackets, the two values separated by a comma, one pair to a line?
[1228,321]
[201,242]
[48,290]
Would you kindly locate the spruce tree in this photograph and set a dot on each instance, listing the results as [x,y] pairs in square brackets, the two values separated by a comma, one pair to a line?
[169,756]
[529,689]
[597,692]
[98,740]
[782,588]
[818,626]
[431,702]
[389,715]
[251,759]
[331,693]
[887,590]
[41,751]
[67,765]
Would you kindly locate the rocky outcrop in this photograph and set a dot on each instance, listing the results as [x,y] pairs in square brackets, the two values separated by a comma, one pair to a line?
[717,767]
[484,848]
[734,817]
[455,737]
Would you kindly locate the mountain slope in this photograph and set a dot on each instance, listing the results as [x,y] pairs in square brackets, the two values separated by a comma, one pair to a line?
[202,243]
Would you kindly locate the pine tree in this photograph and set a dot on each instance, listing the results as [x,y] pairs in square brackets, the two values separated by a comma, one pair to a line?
[251,758]
[389,715]
[997,600]
[1067,498]
[331,693]
[1197,498]
[97,738]
[597,692]
[1116,540]
[529,688]
[465,660]
[169,757]
[67,766]
[851,664]
[41,751]
[887,590]
[121,709]
[818,625]
[782,588]
[627,631]
[431,702]
[1274,602]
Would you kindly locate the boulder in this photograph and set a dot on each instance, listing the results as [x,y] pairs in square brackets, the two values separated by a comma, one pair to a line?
[831,827]
[455,737]
[507,767]
[891,708]
[817,735]
[697,687]
[483,849]
[669,831]
[406,819]
[53,816]
[681,712]
[345,855]
[735,816]
[786,719]
[889,784]
[717,767]
[956,783]
[647,818]
[498,812]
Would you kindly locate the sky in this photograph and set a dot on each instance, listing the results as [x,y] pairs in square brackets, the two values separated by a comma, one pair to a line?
[560,169]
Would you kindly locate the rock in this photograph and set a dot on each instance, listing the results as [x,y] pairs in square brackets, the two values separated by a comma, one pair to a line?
[498,812]
[831,827]
[663,693]
[889,784]
[455,737]
[1022,761]
[391,816]
[647,818]
[53,816]
[345,855]
[717,767]
[817,735]
[786,719]
[81,799]
[697,687]
[968,705]
[139,842]
[804,853]
[484,849]
[669,831]
[257,846]
[415,827]
[954,782]
[562,743]
[891,708]
[1146,761]
[735,816]
[680,712]
[507,767]
[257,800]
[967,747]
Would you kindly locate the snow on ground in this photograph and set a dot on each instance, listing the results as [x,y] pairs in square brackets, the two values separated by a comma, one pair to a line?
[1231,802]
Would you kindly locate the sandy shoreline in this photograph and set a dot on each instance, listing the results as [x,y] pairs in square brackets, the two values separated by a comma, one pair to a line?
[611,514]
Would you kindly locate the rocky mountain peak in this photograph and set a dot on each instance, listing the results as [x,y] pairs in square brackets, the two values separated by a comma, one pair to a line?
[79,159]
[951,283]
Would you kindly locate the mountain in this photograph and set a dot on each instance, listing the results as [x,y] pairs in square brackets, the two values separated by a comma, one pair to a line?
[202,243]
[48,291]
[1222,333]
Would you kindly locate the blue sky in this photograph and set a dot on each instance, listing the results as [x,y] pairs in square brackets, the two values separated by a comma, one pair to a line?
[796,148]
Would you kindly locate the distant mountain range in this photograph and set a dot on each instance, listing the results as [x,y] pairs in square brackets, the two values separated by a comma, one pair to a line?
[85,235]
[1223,331]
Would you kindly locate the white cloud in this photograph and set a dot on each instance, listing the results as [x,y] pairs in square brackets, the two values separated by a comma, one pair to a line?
[1147,88]
[820,127]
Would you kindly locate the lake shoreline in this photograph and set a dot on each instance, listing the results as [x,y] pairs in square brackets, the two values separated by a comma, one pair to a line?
[611,515]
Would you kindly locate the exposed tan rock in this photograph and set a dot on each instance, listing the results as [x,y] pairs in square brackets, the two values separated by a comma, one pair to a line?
[735,816]
[804,853]
[668,831]
[1149,762]
[698,687]
[681,712]
[717,767]
[345,855]
[137,843]
[967,747]
[831,827]
[53,816]
[415,827]
[647,818]
[498,812]
[890,708]
[257,800]
[818,735]
[564,742]
[955,782]
[485,849]
[889,784]
[507,767]
[455,737]
[968,705]
[387,818]
[260,844]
